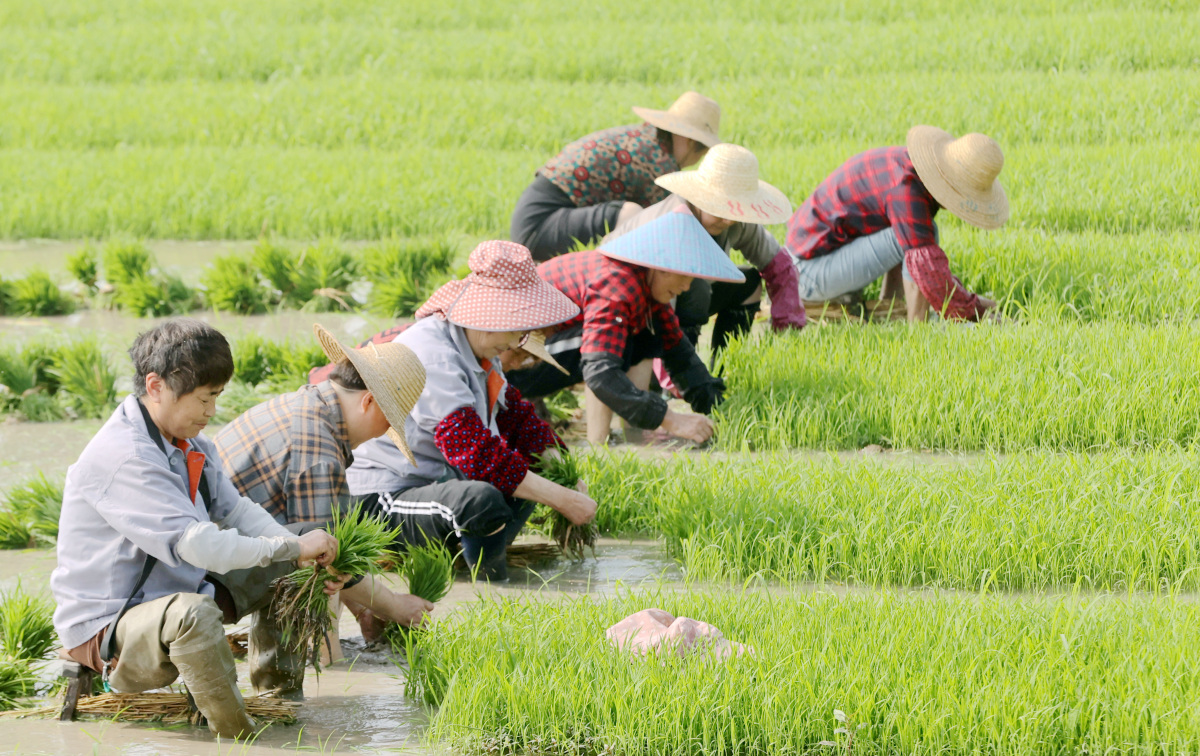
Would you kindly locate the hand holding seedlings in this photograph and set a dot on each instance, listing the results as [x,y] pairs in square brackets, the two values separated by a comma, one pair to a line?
[317,547]
[697,428]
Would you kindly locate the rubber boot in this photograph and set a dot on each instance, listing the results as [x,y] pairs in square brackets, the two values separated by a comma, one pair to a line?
[487,556]
[522,509]
[211,679]
[274,669]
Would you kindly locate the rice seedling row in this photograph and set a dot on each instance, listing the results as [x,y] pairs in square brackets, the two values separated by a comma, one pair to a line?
[1047,385]
[197,192]
[1122,521]
[871,674]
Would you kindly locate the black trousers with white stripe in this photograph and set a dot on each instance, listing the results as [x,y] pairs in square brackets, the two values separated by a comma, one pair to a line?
[447,511]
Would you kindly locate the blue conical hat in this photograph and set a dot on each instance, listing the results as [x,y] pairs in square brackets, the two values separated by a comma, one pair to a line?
[676,243]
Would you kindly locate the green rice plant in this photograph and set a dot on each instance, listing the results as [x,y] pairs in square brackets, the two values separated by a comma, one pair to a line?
[324,273]
[83,265]
[26,385]
[428,570]
[404,273]
[231,285]
[562,406]
[277,264]
[240,396]
[299,603]
[155,296]
[1033,521]
[38,503]
[88,383]
[37,294]
[563,469]
[26,626]
[14,531]
[867,674]
[125,262]
[282,364]
[6,295]
[1049,384]
[17,681]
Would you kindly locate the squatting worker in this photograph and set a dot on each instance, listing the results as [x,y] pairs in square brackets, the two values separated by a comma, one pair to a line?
[734,206]
[290,454]
[874,216]
[600,180]
[148,492]
[624,291]
[473,437]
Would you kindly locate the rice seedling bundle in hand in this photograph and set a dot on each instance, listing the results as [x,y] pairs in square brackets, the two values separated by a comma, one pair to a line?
[300,605]
[26,626]
[563,469]
[429,571]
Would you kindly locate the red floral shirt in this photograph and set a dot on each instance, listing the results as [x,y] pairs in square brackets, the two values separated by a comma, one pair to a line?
[615,164]
[871,191]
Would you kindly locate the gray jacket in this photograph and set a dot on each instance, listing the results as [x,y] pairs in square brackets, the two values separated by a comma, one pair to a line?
[453,379]
[123,500]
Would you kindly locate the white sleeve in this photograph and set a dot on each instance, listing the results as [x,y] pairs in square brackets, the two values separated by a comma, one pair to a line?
[206,546]
[251,519]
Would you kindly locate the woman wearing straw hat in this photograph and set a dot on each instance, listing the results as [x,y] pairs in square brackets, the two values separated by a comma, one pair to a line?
[473,437]
[290,455]
[624,291]
[734,206]
[873,217]
[600,180]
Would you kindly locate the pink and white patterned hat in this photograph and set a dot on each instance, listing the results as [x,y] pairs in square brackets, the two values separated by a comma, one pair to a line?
[503,293]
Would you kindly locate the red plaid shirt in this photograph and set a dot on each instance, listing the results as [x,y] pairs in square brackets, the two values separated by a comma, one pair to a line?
[613,298]
[872,191]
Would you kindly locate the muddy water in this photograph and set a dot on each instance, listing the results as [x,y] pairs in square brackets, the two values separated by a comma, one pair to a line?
[355,706]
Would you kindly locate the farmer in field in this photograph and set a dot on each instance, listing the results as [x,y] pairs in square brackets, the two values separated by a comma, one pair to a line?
[156,547]
[473,436]
[734,206]
[290,454]
[874,216]
[604,178]
[624,291]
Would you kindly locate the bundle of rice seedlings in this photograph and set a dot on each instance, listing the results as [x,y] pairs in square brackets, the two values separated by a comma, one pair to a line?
[300,605]
[404,273]
[37,294]
[83,265]
[277,265]
[37,503]
[563,469]
[14,531]
[562,406]
[17,681]
[26,386]
[429,572]
[167,708]
[86,378]
[231,285]
[125,261]
[6,295]
[283,365]
[322,279]
[26,626]
[155,296]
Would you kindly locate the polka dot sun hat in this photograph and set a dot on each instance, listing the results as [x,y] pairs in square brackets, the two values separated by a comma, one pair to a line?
[503,293]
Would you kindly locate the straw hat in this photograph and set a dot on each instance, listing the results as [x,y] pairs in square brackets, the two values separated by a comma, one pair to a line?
[502,293]
[693,115]
[961,174]
[393,375]
[727,185]
[536,345]
[676,243]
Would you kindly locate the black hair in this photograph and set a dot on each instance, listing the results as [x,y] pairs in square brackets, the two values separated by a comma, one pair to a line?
[185,352]
[346,375]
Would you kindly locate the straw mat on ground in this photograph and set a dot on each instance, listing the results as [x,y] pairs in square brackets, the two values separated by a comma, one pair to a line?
[169,708]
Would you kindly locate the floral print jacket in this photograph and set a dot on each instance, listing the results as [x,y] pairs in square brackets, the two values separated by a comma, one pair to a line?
[615,164]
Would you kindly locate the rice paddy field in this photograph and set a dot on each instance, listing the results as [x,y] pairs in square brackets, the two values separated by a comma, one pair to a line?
[1011,566]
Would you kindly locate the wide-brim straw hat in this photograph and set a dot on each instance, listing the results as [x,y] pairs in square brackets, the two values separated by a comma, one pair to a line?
[961,174]
[727,185]
[693,115]
[503,293]
[675,243]
[391,372]
[536,345]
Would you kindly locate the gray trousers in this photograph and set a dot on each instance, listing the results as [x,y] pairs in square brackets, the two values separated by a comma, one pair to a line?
[850,267]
